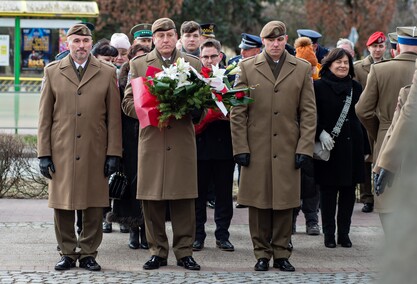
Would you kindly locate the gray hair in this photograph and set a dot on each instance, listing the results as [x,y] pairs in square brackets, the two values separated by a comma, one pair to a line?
[342,41]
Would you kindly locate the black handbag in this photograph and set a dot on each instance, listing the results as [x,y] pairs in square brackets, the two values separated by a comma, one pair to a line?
[118,186]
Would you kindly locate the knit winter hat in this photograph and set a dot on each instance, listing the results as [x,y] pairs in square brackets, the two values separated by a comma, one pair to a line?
[120,40]
[304,50]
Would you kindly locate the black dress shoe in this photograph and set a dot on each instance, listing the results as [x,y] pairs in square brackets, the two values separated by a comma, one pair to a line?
[107,227]
[89,263]
[225,245]
[155,262]
[329,241]
[344,241]
[241,206]
[262,264]
[134,238]
[283,264]
[368,207]
[198,245]
[188,263]
[65,263]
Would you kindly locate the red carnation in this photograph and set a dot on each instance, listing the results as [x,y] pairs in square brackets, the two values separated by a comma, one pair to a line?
[205,72]
[240,95]
[219,97]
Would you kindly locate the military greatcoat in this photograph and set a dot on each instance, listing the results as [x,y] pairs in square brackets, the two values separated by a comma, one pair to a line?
[278,124]
[167,158]
[79,125]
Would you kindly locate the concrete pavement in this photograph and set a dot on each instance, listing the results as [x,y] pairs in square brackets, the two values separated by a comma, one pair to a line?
[28,253]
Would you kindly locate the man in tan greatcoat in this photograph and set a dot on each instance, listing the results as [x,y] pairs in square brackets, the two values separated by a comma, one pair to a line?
[377,103]
[79,145]
[376,46]
[167,161]
[272,139]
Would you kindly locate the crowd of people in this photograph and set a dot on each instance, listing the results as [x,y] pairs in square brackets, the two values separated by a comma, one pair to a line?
[89,129]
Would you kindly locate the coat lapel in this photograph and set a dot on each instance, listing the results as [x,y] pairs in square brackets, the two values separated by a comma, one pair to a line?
[67,70]
[287,68]
[92,69]
[262,66]
[152,59]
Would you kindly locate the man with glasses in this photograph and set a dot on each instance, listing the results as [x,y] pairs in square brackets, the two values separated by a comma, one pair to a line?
[167,167]
[215,165]
[272,139]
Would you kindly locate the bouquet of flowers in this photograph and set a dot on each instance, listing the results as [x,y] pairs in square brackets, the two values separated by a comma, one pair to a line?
[179,89]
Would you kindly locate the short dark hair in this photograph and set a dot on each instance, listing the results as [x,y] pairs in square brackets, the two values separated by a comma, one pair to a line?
[211,42]
[190,27]
[334,55]
[103,48]
[135,48]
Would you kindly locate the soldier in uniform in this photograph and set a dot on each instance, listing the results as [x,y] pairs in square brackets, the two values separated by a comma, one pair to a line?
[320,51]
[270,145]
[142,35]
[79,145]
[167,161]
[376,47]
[207,31]
[190,38]
[376,106]
[393,40]
[250,45]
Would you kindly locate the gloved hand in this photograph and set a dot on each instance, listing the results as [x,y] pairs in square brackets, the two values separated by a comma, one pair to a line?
[46,164]
[242,159]
[111,166]
[302,161]
[326,140]
[385,178]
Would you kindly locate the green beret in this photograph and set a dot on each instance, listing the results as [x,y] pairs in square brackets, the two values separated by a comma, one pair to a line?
[273,29]
[163,24]
[79,29]
[141,31]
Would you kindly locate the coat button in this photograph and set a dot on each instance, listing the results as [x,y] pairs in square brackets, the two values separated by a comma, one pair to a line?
[79,113]
[275,156]
[275,112]
[77,158]
[79,93]
[168,148]
[169,126]
[79,136]
[275,134]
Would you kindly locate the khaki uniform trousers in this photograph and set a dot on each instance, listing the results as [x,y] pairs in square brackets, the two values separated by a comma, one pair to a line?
[183,226]
[90,237]
[270,231]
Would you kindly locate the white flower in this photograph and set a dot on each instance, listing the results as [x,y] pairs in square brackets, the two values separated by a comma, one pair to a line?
[235,70]
[182,80]
[217,83]
[218,72]
[182,66]
[170,72]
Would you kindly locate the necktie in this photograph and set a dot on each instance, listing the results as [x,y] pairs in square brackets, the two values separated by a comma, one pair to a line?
[80,70]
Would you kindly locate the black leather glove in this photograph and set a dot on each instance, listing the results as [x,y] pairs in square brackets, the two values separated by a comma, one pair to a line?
[385,178]
[46,164]
[242,159]
[303,161]
[112,165]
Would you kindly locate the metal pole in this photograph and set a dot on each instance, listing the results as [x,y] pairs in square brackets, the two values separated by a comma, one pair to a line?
[17,40]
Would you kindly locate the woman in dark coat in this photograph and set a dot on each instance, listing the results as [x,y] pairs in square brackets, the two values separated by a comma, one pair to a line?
[128,211]
[338,176]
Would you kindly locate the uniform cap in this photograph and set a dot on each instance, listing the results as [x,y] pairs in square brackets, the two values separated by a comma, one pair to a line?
[250,41]
[407,35]
[311,34]
[273,29]
[208,30]
[79,29]
[141,31]
[376,37]
[304,49]
[393,39]
[120,40]
[163,24]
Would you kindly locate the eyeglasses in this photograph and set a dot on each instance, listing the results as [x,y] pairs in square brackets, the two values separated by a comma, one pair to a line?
[206,57]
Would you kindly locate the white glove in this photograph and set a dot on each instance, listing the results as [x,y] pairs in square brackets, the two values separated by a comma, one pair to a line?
[326,140]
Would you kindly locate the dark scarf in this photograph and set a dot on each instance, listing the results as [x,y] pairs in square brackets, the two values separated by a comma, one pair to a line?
[167,62]
[341,86]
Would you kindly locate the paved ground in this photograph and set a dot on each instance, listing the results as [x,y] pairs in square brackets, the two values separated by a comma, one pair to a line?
[28,253]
